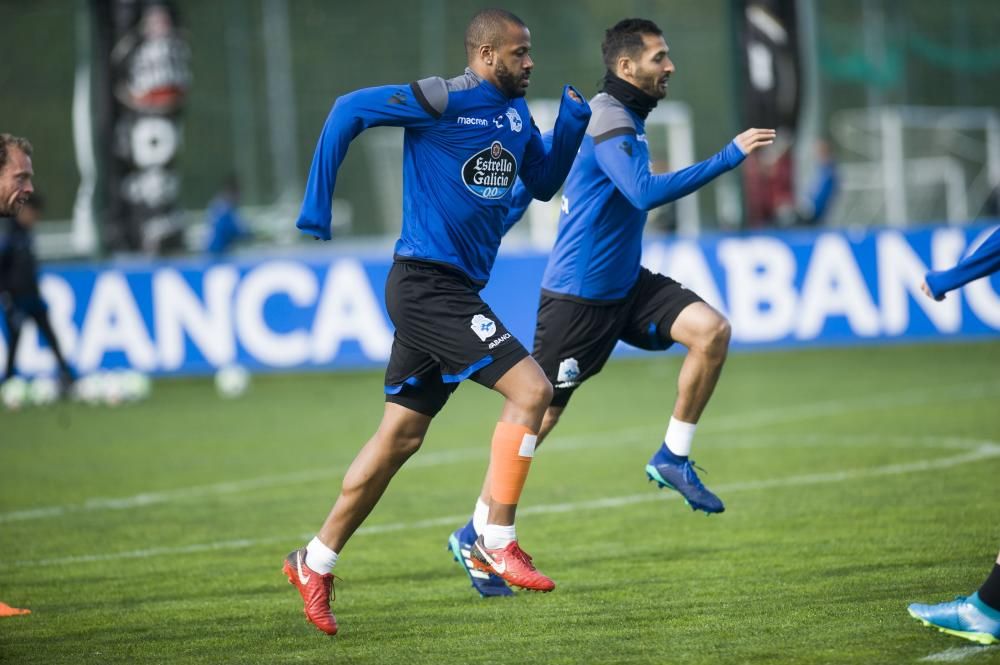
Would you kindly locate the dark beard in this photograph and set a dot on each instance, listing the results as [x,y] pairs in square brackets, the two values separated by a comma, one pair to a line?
[651,87]
[510,85]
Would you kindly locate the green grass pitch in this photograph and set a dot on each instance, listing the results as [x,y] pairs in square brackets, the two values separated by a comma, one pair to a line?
[856,481]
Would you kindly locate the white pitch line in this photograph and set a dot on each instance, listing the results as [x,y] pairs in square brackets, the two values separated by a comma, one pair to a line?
[878,402]
[716,426]
[955,654]
[218,489]
[986,451]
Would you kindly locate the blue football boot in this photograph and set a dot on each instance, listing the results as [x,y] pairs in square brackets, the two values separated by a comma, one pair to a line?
[677,473]
[486,584]
[966,617]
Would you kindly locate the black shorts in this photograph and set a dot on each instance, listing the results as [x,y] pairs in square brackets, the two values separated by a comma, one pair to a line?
[445,334]
[574,338]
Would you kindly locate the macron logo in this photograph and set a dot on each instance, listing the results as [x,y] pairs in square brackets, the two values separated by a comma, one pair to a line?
[478,122]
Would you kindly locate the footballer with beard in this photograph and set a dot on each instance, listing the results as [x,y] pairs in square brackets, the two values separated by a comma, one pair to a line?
[595,292]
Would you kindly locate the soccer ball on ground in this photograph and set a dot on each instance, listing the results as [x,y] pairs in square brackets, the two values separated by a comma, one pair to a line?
[44,390]
[14,393]
[89,389]
[135,385]
[232,381]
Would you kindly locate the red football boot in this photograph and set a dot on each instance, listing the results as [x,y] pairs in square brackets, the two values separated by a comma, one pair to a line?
[316,591]
[512,564]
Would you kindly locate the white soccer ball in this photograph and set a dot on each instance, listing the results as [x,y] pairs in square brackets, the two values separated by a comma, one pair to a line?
[14,393]
[44,390]
[135,385]
[89,388]
[112,388]
[232,381]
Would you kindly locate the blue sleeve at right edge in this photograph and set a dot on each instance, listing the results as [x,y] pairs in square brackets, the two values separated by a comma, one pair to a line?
[984,261]
[389,105]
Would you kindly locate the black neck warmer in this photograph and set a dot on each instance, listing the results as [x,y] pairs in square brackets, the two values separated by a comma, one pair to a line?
[632,97]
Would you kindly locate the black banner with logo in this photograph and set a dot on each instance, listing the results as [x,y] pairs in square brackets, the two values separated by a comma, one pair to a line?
[143,62]
[771,92]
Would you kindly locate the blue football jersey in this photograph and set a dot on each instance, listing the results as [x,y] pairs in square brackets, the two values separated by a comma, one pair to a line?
[464,145]
[608,192]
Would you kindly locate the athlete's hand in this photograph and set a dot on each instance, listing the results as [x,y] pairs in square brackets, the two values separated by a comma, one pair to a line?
[752,139]
[927,291]
[575,97]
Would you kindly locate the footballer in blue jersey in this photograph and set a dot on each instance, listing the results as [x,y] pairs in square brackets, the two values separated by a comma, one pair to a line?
[594,290]
[466,141]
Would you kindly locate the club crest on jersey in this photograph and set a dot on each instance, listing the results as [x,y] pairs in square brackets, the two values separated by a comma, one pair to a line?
[514,118]
[484,327]
[490,172]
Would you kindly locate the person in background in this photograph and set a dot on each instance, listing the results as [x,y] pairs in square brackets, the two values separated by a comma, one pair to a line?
[815,210]
[225,226]
[15,189]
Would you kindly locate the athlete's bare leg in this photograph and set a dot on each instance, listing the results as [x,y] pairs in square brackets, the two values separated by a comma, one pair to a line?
[706,335]
[399,435]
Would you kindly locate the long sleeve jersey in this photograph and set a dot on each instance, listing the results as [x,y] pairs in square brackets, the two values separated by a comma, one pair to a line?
[984,261]
[464,144]
[608,193]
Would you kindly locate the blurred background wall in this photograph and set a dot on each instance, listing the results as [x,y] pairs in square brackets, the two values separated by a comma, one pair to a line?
[264,74]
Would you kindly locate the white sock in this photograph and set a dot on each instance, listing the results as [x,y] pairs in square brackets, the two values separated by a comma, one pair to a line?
[496,536]
[678,437]
[480,515]
[319,557]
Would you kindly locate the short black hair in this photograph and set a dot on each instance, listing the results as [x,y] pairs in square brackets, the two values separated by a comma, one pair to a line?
[7,142]
[625,38]
[487,27]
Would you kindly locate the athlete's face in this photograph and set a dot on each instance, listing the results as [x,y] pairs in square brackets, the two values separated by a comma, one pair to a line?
[511,63]
[15,182]
[651,71]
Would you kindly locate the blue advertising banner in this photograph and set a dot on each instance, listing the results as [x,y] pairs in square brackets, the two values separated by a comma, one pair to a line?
[326,311]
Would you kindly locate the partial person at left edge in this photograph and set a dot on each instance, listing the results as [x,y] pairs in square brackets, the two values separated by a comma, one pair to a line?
[20,297]
[17,262]
[975,617]
[982,261]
